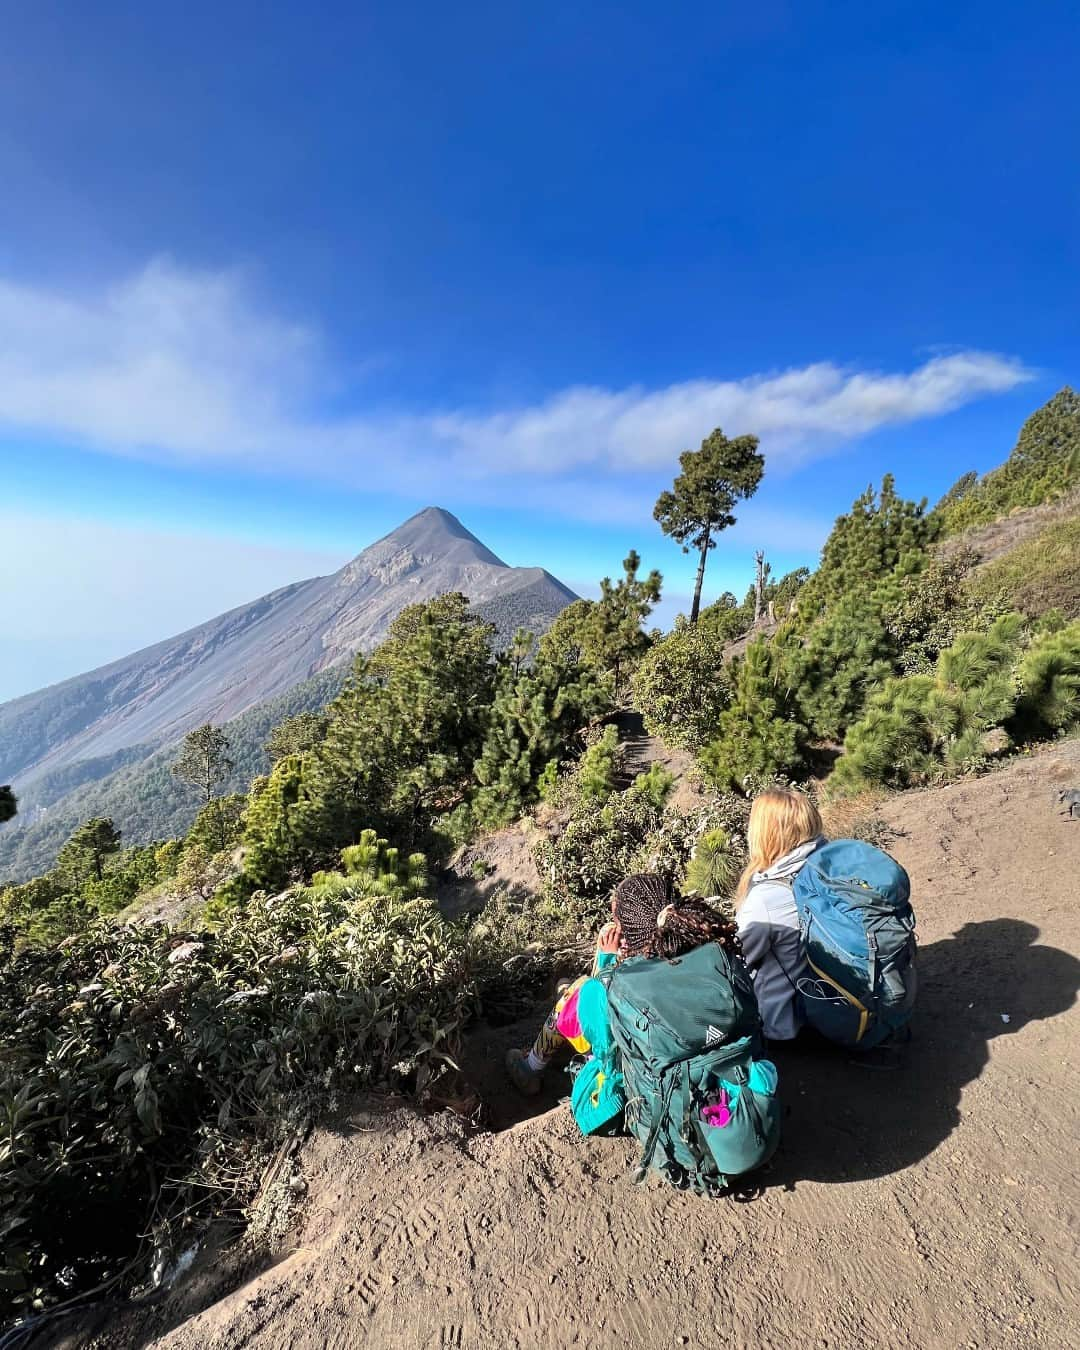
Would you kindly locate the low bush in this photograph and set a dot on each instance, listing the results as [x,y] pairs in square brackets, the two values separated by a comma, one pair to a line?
[1048,678]
[920,728]
[681,687]
[144,1072]
[713,868]
[597,846]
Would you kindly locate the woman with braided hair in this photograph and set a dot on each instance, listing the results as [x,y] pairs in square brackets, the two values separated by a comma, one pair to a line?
[647,920]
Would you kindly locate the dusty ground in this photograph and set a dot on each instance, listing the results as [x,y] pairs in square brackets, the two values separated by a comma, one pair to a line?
[936,1205]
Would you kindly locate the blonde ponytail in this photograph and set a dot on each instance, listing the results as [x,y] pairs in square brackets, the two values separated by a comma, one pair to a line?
[780,820]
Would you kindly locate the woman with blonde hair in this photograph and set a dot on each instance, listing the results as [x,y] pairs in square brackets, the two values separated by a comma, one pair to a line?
[785,828]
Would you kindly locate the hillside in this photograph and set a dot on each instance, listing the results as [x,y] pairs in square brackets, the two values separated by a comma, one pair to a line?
[100,744]
[419,1231]
[256,652]
[142,797]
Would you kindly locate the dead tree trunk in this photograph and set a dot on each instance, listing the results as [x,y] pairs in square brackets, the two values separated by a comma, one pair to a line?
[759,586]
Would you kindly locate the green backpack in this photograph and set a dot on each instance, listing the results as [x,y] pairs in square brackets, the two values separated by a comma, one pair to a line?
[688,1033]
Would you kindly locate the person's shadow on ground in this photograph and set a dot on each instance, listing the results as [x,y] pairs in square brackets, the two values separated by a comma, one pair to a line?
[844,1122]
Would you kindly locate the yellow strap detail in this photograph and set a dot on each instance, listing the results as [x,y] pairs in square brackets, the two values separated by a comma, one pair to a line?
[864,1014]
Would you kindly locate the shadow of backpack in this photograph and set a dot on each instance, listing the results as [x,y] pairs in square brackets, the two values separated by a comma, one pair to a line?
[859,931]
[688,1033]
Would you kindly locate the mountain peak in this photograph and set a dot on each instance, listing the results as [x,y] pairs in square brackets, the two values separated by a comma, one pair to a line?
[433,533]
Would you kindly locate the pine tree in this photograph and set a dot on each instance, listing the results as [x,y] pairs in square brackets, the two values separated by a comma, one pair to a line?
[957,492]
[303,731]
[275,842]
[615,636]
[83,856]
[8,805]
[606,634]
[405,732]
[700,503]
[756,734]
[535,719]
[204,759]
[218,826]
[865,546]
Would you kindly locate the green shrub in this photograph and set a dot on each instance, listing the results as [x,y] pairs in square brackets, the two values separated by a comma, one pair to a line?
[548,782]
[599,766]
[144,1072]
[713,868]
[681,687]
[675,848]
[596,847]
[1049,680]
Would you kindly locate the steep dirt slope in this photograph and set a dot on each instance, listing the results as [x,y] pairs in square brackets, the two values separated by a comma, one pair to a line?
[936,1205]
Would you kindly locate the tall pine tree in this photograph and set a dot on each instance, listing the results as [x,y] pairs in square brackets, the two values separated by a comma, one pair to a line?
[700,502]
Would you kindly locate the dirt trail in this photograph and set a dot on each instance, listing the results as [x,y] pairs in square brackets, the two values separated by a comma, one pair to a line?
[936,1205]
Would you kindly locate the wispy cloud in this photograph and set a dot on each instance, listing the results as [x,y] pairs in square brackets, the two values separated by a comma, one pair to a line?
[171,364]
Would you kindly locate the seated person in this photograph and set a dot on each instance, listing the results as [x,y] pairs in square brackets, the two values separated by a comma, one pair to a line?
[646,922]
[785,828]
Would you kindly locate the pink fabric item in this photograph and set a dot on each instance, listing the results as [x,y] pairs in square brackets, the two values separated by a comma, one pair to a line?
[566,1019]
[717,1113]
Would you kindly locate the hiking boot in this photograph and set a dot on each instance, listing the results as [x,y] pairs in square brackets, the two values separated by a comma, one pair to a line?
[527,1081]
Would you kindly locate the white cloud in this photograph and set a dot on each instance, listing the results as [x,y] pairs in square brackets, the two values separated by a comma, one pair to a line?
[185,366]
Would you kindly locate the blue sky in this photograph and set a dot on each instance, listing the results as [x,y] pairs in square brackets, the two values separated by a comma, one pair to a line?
[272,277]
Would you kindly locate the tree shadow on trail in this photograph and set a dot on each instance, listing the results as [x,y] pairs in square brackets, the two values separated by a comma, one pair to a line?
[844,1122]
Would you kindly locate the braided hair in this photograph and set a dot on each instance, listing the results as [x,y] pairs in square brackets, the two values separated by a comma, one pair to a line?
[656,922]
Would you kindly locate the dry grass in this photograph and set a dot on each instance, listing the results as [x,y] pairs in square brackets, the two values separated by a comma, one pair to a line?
[856,817]
[1040,573]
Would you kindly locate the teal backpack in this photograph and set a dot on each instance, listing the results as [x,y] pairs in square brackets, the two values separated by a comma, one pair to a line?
[688,1034]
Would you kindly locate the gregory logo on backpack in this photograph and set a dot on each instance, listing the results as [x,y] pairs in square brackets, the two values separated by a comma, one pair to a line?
[859,930]
[714,1036]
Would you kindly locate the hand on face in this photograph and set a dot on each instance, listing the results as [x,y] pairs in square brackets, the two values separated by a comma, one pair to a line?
[609,939]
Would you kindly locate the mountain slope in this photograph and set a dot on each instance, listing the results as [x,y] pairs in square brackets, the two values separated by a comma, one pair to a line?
[258,651]
[140,794]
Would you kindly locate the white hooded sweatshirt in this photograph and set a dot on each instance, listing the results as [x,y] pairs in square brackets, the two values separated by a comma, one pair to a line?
[772,945]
